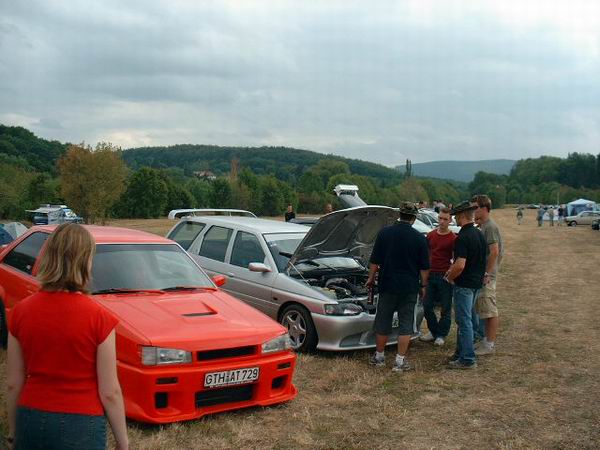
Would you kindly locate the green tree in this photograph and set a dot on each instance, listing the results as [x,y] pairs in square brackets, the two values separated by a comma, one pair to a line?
[272,199]
[220,196]
[92,181]
[201,190]
[410,190]
[146,195]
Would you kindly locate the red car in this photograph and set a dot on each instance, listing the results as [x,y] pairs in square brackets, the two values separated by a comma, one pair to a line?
[184,348]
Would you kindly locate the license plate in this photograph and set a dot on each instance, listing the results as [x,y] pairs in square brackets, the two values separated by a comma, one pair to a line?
[231,377]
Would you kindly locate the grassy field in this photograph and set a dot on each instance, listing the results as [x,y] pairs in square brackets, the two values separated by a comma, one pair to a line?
[541,390]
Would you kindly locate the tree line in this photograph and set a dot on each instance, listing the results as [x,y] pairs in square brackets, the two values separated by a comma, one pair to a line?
[547,179]
[106,182]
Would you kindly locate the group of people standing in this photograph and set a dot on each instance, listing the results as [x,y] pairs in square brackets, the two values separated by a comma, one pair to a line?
[560,213]
[440,269]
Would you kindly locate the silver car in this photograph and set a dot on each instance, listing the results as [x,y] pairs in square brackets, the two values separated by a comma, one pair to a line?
[311,280]
[583,218]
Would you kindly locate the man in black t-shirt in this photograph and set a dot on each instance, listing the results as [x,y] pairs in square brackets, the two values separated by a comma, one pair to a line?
[290,214]
[466,273]
[401,256]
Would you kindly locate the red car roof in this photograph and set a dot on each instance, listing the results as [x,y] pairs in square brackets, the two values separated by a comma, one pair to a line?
[113,235]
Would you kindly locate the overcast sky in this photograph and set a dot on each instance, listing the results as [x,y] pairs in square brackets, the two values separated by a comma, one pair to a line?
[381,81]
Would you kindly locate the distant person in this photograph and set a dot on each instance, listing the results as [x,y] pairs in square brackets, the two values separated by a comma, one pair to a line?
[485,305]
[62,369]
[519,215]
[328,208]
[540,215]
[467,274]
[439,291]
[551,216]
[400,257]
[561,215]
[290,214]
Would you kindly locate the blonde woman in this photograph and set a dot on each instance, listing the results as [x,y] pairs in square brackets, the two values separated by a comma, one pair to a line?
[62,375]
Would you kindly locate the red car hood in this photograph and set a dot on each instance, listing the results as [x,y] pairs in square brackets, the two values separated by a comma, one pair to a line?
[200,320]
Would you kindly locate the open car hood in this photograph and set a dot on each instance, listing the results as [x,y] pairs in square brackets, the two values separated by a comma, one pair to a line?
[348,232]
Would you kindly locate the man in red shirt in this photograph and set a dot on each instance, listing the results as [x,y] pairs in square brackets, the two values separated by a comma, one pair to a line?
[439,292]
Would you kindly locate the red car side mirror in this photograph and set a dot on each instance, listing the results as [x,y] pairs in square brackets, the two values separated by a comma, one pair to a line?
[219,280]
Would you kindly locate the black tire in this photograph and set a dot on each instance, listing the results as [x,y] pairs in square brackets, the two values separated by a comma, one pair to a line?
[299,314]
[572,223]
[3,327]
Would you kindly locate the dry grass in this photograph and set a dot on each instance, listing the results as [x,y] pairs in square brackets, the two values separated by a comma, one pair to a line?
[541,390]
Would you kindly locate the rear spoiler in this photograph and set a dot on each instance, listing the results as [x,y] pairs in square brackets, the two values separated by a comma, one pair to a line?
[176,214]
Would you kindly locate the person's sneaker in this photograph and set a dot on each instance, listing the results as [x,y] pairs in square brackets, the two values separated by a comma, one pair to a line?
[485,349]
[377,361]
[405,366]
[427,337]
[439,341]
[458,364]
[454,357]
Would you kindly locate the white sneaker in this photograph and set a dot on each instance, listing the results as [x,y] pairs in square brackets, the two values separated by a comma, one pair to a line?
[439,341]
[485,349]
[428,337]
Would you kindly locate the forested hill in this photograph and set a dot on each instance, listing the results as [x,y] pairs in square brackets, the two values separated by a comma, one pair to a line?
[287,164]
[460,170]
[20,147]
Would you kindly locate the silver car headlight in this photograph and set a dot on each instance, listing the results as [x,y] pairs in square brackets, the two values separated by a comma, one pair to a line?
[343,309]
[157,356]
[278,344]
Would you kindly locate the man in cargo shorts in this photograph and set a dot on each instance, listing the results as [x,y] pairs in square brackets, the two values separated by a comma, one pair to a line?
[485,305]
[401,256]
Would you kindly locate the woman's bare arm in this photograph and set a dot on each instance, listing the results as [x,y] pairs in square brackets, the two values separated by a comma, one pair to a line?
[110,390]
[15,380]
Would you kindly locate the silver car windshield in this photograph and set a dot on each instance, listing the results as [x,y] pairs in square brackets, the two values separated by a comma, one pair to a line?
[144,267]
[282,246]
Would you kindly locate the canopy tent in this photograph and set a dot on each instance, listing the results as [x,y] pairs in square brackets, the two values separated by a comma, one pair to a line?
[15,229]
[576,206]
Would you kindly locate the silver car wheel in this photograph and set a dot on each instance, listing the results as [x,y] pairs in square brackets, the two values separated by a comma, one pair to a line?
[296,326]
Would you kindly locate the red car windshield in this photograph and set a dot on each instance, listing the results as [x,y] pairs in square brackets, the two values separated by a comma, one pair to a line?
[144,267]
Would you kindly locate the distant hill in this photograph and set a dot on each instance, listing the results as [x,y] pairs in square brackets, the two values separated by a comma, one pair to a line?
[460,170]
[20,147]
[286,163]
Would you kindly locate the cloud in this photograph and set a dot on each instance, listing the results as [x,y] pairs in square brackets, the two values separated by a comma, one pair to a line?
[386,81]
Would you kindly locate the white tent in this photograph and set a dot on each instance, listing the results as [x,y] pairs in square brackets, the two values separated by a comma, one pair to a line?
[15,229]
[576,206]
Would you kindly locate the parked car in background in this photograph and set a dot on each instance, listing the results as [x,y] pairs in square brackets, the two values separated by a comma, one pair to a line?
[311,280]
[185,348]
[583,218]
[430,218]
[176,214]
[53,215]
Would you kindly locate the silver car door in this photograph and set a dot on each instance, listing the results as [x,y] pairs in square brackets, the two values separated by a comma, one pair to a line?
[211,250]
[253,287]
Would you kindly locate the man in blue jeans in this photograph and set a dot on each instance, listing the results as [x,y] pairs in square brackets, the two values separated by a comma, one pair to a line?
[466,273]
[439,292]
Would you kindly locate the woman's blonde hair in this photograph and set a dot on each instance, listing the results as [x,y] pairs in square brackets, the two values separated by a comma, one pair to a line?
[65,264]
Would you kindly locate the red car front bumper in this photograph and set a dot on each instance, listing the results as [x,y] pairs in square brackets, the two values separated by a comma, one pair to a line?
[174,393]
